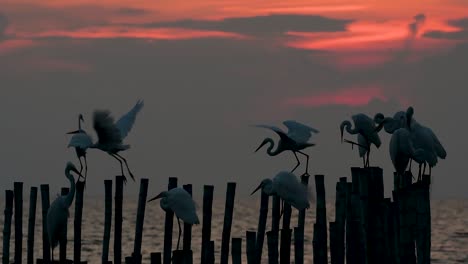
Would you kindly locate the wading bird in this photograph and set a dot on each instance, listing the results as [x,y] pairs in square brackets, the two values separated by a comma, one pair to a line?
[367,132]
[402,150]
[81,136]
[110,134]
[58,214]
[181,203]
[295,140]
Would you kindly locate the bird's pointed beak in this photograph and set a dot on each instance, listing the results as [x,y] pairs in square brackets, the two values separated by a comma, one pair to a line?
[261,145]
[73,132]
[156,197]
[342,132]
[256,189]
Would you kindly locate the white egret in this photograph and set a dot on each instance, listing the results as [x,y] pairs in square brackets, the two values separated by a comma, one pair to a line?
[110,134]
[295,140]
[181,203]
[364,126]
[58,214]
[287,186]
[402,150]
[81,136]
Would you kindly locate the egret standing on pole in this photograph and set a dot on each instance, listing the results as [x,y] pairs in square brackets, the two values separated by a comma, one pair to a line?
[81,136]
[295,140]
[110,134]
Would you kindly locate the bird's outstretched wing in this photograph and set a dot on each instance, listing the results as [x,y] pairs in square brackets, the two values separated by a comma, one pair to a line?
[106,130]
[299,132]
[81,140]
[276,129]
[125,123]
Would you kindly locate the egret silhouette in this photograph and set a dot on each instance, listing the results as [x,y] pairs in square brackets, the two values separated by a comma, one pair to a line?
[110,134]
[402,150]
[181,203]
[81,136]
[367,132]
[58,213]
[295,140]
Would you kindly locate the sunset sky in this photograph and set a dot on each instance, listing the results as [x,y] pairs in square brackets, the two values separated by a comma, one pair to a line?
[207,70]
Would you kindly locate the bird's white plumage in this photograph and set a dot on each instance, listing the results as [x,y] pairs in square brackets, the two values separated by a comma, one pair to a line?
[181,203]
[299,132]
[402,150]
[287,186]
[57,217]
[81,140]
[125,123]
[366,126]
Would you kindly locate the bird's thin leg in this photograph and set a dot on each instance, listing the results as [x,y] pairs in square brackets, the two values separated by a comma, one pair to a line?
[419,173]
[307,162]
[126,164]
[430,171]
[282,208]
[298,162]
[364,161]
[81,166]
[180,231]
[121,166]
[86,167]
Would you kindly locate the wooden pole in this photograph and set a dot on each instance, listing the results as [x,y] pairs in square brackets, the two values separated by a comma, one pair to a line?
[7,226]
[250,247]
[236,250]
[262,219]
[210,252]
[285,248]
[107,220]
[375,229]
[18,192]
[136,256]
[168,226]
[31,224]
[275,211]
[357,213]
[155,258]
[187,239]
[45,237]
[299,234]
[333,243]
[118,199]
[272,240]
[340,220]
[206,227]
[228,212]
[320,227]
[77,223]
[63,242]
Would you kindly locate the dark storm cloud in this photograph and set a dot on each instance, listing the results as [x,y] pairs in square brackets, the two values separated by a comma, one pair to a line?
[262,25]
[462,34]
[3,26]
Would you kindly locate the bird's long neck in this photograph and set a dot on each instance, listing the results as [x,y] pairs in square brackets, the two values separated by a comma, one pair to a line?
[270,150]
[164,204]
[71,193]
[79,124]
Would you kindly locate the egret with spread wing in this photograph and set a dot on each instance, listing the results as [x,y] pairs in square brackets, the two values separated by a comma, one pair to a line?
[57,215]
[181,203]
[295,140]
[110,134]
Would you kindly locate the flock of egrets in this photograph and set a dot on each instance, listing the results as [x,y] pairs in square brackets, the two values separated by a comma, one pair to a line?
[410,141]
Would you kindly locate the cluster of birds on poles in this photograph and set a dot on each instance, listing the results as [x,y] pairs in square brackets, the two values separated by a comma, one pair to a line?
[409,141]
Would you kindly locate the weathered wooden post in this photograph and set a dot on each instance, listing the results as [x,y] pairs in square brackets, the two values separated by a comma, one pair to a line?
[119,182]
[333,242]
[18,192]
[31,224]
[264,199]
[250,247]
[275,213]
[340,220]
[299,233]
[187,239]
[210,253]
[107,220]
[45,237]
[7,226]
[236,250]
[168,226]
[375,229]
[285,248]
[423,232]
[136,256]
[406,243]
[206,228]
[272,240]
[228,212]
[320,227]
[155,258]
[63,242]
[78,219]
[388,256]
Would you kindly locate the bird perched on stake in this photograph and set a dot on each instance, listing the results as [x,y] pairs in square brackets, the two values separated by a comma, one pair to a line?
[81,136]
[181,203]
[295,140]
[58,214]
[367,132]
[110,134]
[288,188]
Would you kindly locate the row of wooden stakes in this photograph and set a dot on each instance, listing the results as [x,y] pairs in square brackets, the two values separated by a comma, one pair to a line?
[368,228]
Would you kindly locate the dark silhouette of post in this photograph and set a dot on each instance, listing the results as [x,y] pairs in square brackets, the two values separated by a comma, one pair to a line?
[285,243]
[228,212]
[207,212]
[236,250]
[272,240]
[299,233]
[7,226]
[262,219]
[210,253]
[63,242]
[320,227]
[340,220]
[250,246]
[77,223]
[187,239]
[155,258]
[136,256]
[168,226]
[107,220]
[275,222]
[119,182]
[333,242]
[45,237]
[18,192]
[31,224]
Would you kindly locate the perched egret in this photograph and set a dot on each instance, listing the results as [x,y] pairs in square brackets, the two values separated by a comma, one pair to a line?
[110,134]
[288,188]
[295,140]
[367,132]
[181,203]
[79,136]
[402,150]
[58,214]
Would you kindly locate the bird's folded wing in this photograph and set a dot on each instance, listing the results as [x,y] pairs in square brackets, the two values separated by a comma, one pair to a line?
[299,132]
[108,133]
[80,140]
[125,123]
